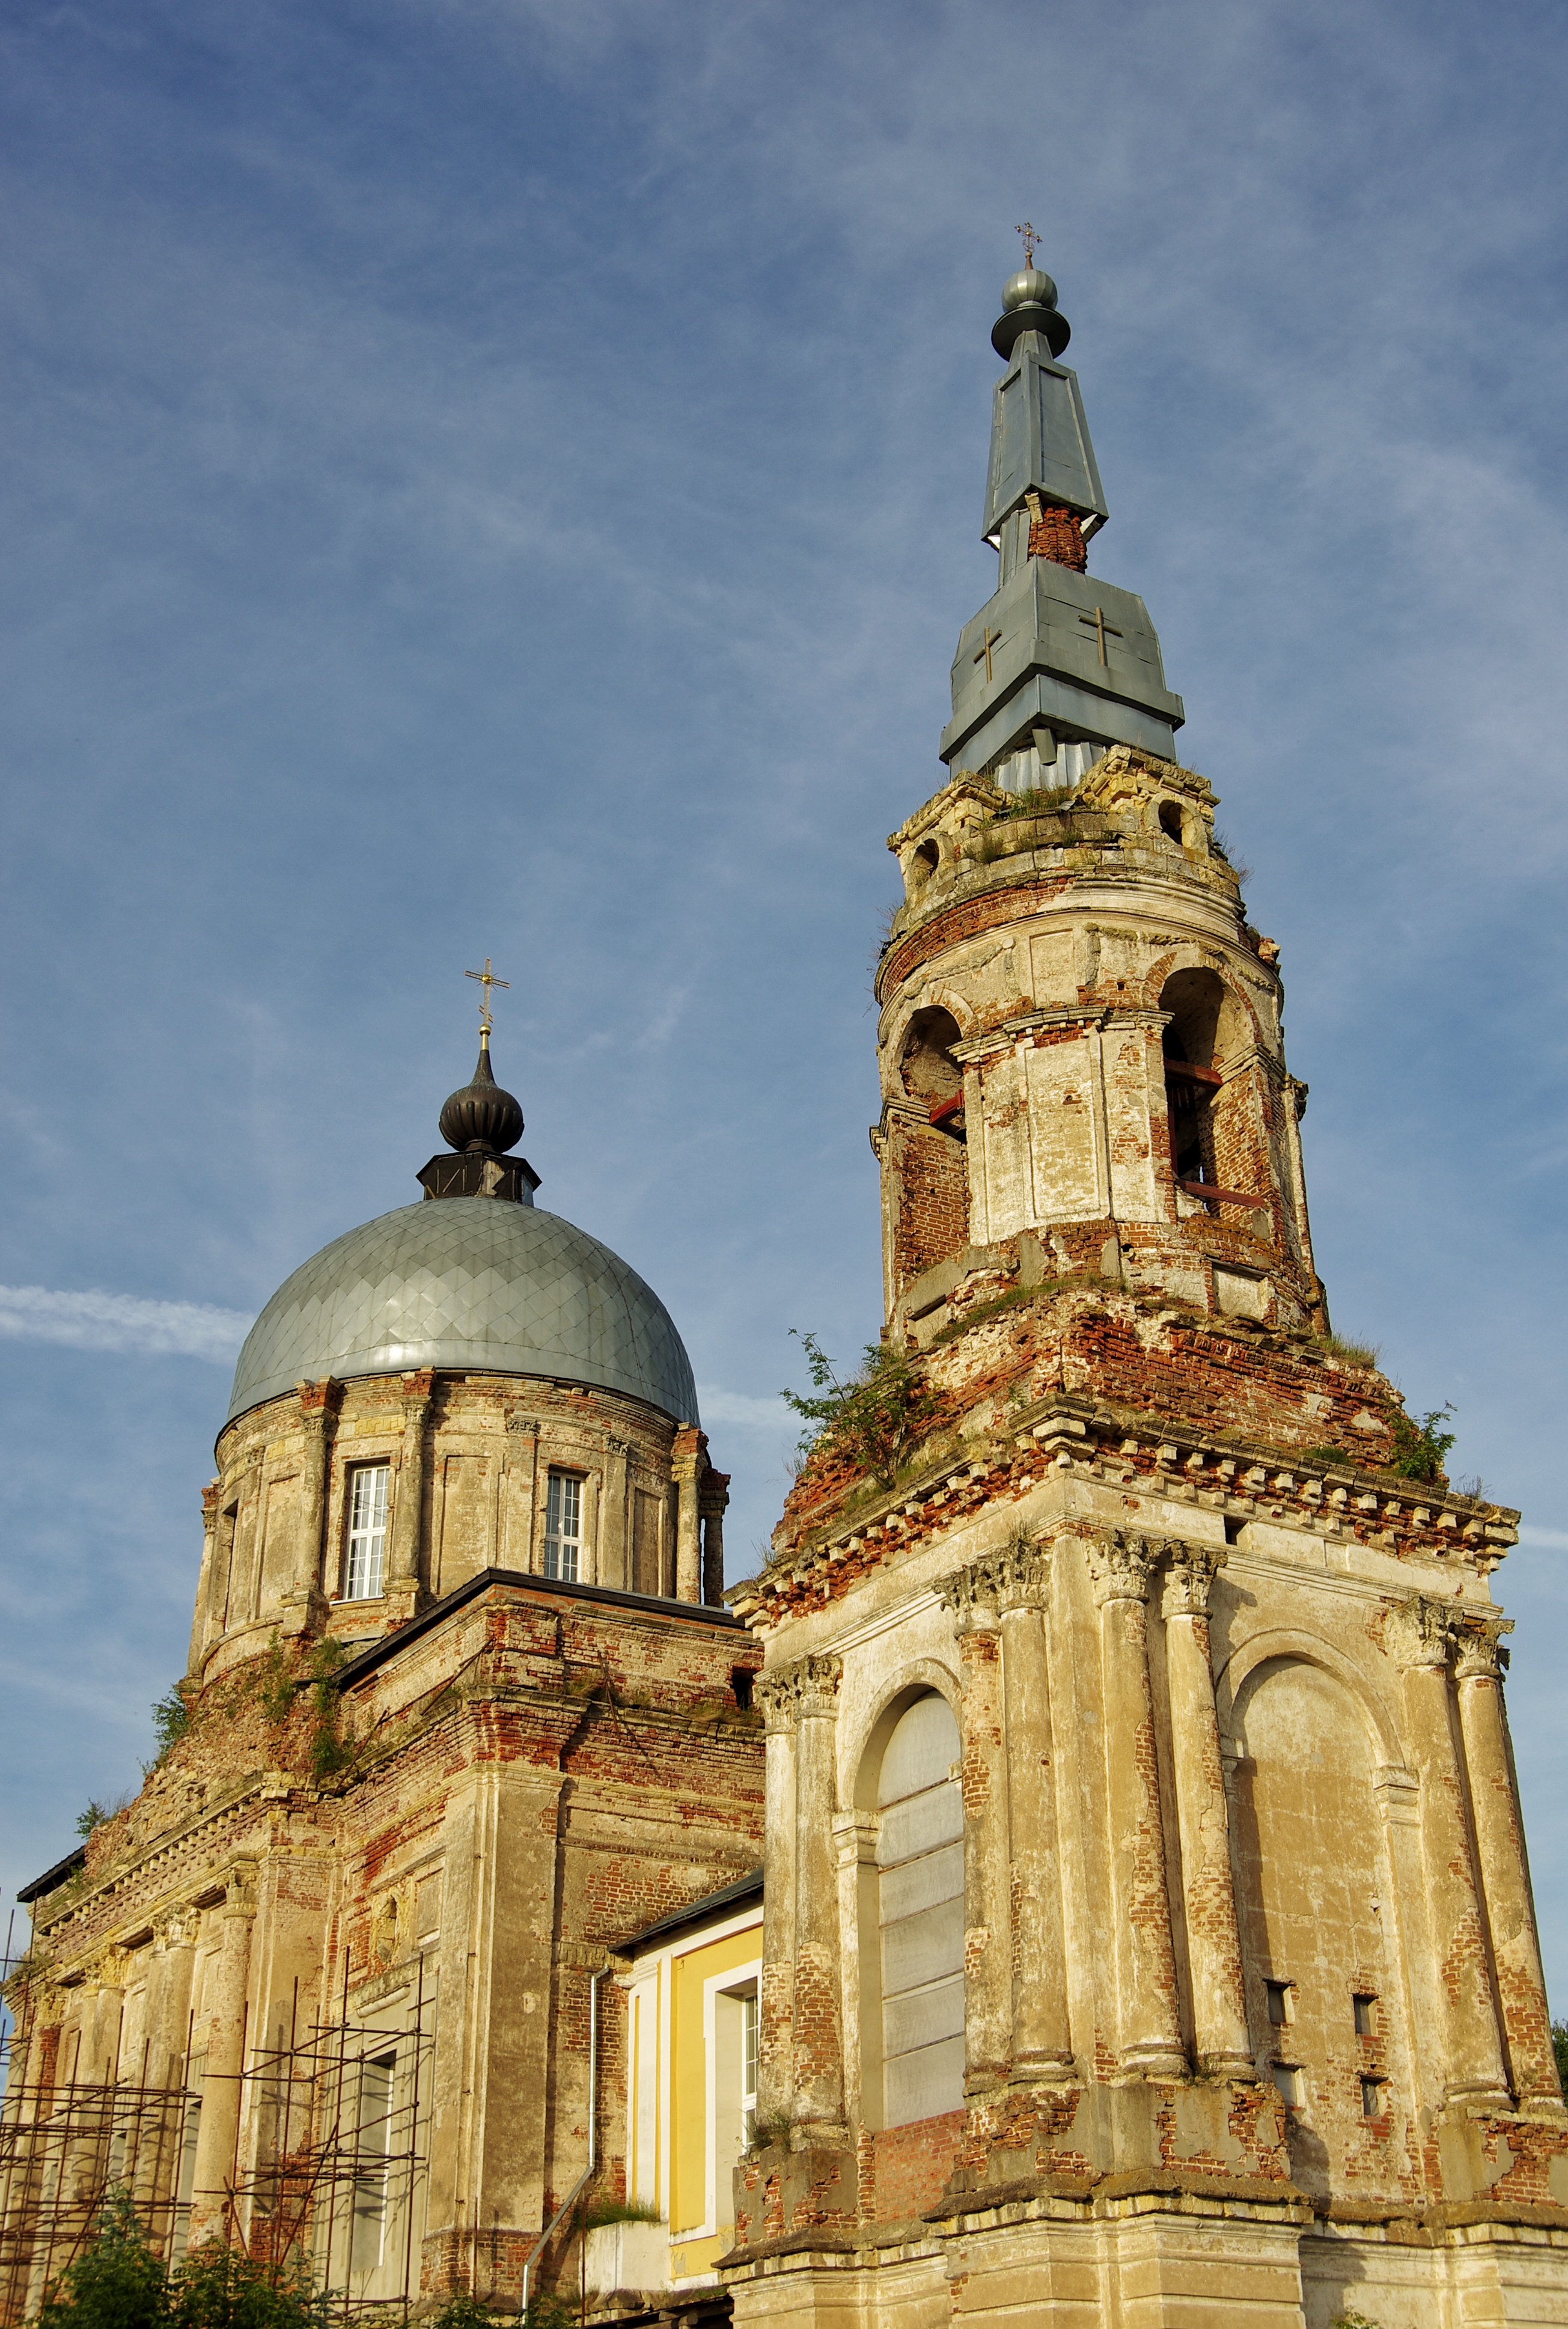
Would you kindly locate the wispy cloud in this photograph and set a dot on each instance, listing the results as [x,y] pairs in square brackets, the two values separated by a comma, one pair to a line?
[1550,1540]
[739,1409]
[95,1321]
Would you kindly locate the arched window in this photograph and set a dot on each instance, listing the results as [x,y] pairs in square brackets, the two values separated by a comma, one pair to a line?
[1170,820]
[926,1064]
[920,1861]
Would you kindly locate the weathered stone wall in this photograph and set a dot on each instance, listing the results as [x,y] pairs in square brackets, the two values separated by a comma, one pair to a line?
[469,1457]
[528,1775]
[1074,947]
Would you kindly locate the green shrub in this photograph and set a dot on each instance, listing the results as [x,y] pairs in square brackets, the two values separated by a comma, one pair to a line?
[278,1686]
[874,1418]
[462,2311]
[1420,1446]
[329,1751]
[547,2311]
[116,2283]
[171,1721]
[223,2288]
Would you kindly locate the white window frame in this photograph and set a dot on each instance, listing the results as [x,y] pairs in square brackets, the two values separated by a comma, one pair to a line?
[750,2044]
[372,2208]
[563,1546]
[365,1560]
[734,1984]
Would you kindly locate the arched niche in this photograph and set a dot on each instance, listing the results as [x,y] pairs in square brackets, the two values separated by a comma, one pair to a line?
[911,1911]
[1215,1124]
[920,1869]
[1317,1906]
[926,1066]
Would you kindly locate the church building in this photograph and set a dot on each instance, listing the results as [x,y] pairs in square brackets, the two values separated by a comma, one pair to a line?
[465,1712]
[1079,1881]
[1148,1935]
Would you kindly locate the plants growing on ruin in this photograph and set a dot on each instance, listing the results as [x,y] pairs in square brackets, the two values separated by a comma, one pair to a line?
[874,1419]
[329,1751]
[171,1721]
[278,1684]
[1421,1445]
[1350,1355]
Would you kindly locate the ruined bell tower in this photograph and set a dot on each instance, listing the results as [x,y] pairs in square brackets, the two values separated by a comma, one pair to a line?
[1148,1929]
[1080,1041]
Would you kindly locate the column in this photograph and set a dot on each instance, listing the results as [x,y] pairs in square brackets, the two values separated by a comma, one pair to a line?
[201,1623]
[408,1498]
[1140,1907]
[317,1402]
[1222,2040]
[715,1502]
[776,1695]
[217,2142]
[817,2103]
[687,1465]
[1418,1637]
[1041,2038]
[1504,1870]
[972,1596]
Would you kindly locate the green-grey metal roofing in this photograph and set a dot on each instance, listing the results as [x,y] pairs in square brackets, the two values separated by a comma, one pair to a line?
[469,1282]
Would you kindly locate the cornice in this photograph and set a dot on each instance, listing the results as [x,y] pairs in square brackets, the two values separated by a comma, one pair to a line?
[1226,1477]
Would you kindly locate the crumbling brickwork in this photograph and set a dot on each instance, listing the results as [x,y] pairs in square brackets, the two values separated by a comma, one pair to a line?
[478,1807]
[1253,2014]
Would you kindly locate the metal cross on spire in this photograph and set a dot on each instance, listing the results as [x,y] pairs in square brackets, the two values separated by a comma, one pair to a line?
[487,979]
[1030,238]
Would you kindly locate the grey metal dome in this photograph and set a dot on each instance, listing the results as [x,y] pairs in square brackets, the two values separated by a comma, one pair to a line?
[467,1282]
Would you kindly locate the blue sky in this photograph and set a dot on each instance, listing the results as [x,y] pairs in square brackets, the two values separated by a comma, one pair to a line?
[493,479]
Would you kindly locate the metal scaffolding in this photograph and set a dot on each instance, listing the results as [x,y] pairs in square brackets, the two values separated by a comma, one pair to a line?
[328,2164]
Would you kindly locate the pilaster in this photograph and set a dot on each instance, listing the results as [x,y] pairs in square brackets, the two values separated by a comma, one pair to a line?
[1042,2046]
[776,1696]
[1222,2040]
[972,1595]
[687,1465]
[406,1564]
[1120,1567]
[818,2102]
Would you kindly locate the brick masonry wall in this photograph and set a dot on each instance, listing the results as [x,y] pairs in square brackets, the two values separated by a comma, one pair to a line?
[641,1779]
[929,1174]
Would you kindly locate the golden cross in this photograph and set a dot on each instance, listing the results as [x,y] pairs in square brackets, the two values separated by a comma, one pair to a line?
[487,979]
[1098,623]
[1030,238]
[993,639]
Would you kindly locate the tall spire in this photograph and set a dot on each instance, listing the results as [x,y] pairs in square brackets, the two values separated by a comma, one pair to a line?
[1055,667]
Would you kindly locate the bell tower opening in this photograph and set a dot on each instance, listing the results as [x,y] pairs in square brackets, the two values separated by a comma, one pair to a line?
[1195,1000]
[926,1064]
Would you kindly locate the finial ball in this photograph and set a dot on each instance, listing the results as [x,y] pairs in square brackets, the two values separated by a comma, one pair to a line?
[1030,288]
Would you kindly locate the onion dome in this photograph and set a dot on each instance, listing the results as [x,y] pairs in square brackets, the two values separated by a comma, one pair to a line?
[481,1117]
